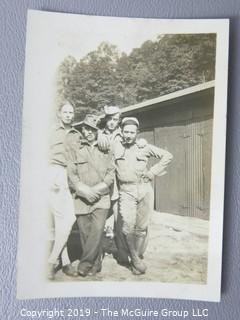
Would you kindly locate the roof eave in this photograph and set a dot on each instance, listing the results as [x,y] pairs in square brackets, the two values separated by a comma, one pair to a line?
[171,96]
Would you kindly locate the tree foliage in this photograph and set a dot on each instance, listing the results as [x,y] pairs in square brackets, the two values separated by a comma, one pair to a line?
[107,77]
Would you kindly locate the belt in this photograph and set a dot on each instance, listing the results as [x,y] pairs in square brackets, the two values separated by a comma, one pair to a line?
[138,181]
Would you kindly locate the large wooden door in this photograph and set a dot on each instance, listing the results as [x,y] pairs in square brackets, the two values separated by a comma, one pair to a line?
[185,189]
[169,192]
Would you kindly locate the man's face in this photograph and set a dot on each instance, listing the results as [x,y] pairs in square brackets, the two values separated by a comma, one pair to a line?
[89,133]
[129,133]
[112,122]
[66,114]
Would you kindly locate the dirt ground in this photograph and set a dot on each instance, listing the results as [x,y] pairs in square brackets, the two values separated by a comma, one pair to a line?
[176,253]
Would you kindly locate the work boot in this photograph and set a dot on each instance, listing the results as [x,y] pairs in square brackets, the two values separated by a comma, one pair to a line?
[83,269]
[97,266]
[135,260]
[94,270]
[69,270]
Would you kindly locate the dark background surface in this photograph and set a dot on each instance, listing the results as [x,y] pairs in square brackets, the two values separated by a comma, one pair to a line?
[12,40]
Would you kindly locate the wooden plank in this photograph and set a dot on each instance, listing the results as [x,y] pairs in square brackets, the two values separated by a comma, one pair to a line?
[169,188]
[185,190]
[207,158]
[194,179]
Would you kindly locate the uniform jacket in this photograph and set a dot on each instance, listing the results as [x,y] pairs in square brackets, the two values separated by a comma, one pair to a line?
[90,166]
[131,162]
[62,142]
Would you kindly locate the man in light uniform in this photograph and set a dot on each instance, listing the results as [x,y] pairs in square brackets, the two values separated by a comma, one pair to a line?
[107,137]
[110,135]
[135,190]
[110,122]
[60,199]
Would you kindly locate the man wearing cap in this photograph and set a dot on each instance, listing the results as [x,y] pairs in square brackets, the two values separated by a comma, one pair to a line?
[135,190]
[91,173]
[111,130]
[61,206]
[107,137]
[110,135]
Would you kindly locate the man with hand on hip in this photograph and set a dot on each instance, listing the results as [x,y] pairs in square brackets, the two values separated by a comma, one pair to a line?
[135,191]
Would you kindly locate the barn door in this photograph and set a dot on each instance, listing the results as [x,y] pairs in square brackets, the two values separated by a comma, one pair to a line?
[185,189]
[198,165]
[193,182]
[169,189]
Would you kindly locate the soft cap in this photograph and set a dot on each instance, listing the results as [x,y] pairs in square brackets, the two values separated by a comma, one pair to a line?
[110,110]
[90,120]
[130,120]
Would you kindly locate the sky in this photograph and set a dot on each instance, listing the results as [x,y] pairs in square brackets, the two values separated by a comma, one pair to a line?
[61,35]
[86,33]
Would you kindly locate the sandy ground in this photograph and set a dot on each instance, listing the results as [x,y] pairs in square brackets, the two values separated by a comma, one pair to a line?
[176,253]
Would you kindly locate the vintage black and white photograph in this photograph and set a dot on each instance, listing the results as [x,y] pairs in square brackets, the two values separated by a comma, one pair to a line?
[123,157]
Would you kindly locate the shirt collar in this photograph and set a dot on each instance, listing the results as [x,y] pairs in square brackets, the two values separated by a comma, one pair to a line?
[60,125]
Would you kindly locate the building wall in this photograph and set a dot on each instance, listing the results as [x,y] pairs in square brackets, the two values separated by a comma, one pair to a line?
[182,126]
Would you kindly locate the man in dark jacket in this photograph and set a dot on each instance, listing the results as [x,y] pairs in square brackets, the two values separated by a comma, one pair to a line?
[91,173]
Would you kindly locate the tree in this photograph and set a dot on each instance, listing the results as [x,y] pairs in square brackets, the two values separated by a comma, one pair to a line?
[107,77]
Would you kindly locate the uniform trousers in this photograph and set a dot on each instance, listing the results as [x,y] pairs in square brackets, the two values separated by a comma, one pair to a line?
[91,227]
[113,211]
[62,209]
[135,207]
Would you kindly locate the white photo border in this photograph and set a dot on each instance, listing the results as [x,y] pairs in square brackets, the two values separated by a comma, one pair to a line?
[43,41]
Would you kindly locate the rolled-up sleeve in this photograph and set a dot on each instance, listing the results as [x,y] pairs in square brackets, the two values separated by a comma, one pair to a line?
[158,153]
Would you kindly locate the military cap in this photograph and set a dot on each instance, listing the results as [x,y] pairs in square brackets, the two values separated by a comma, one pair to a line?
[90,120]
[130,120]
[110,110]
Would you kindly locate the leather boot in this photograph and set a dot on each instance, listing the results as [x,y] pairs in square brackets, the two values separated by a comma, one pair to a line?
[135,260]
[69,270]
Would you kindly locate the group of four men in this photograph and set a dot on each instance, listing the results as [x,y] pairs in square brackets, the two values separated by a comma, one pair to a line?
[97,171]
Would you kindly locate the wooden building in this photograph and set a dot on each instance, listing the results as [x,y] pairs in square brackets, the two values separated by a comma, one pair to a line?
[181,122]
